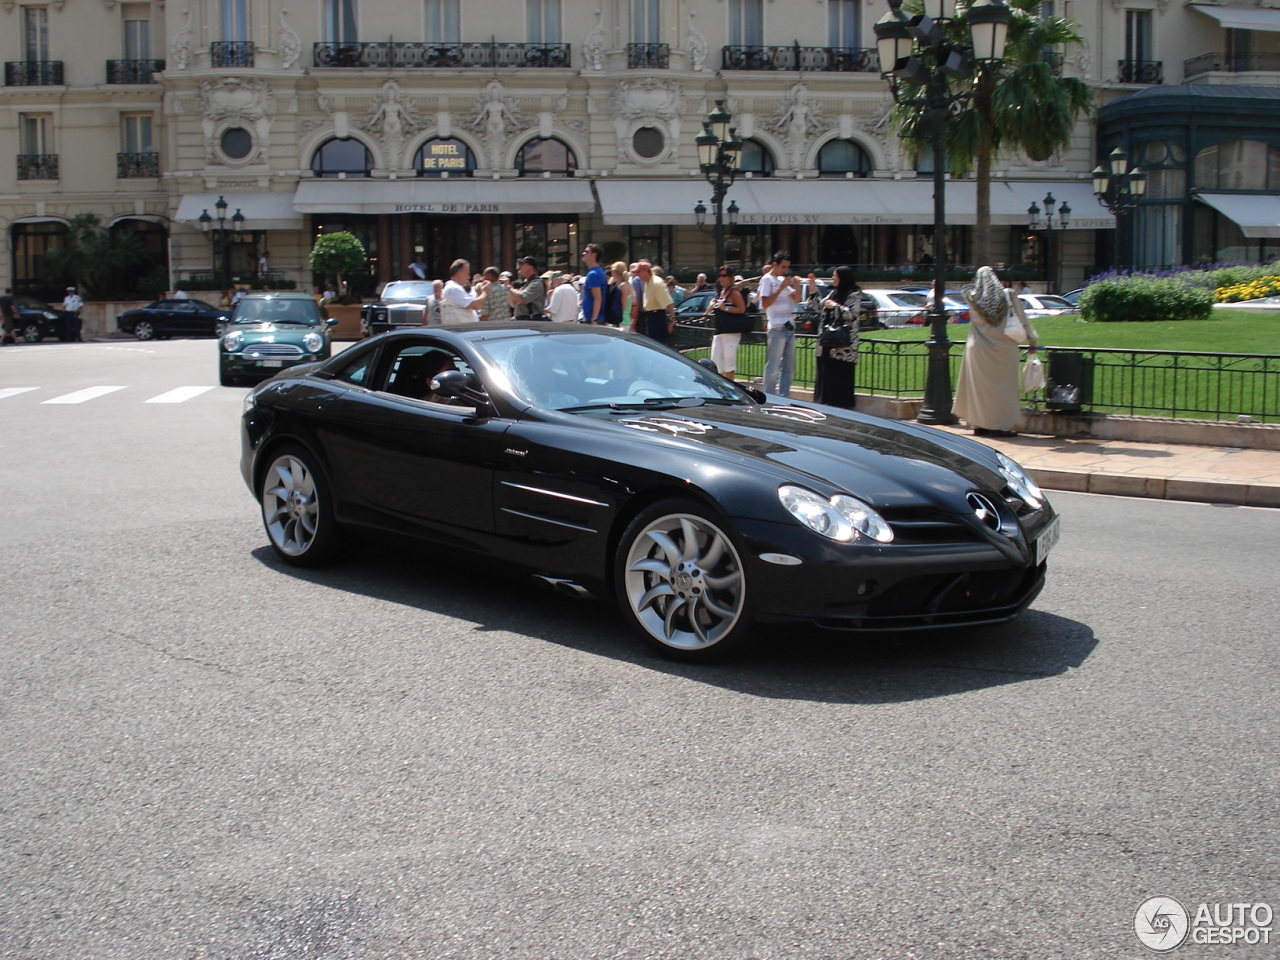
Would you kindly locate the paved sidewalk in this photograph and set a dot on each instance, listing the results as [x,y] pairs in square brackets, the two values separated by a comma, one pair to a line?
[1160,471]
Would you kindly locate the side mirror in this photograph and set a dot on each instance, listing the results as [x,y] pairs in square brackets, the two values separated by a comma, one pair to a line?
[330,321]
[455,383]
[756,395]
[709,364]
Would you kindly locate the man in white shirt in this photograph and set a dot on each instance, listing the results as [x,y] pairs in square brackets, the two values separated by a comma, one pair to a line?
[563,305]
[457,303]
[72,305]
[779,293]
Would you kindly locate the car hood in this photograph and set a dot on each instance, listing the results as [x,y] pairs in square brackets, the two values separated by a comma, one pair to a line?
[274,332]
[887,463]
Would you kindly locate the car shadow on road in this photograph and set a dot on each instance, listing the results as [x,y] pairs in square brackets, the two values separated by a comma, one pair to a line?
[791,662]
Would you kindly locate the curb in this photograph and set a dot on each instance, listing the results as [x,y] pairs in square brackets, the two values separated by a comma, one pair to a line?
[1157,488]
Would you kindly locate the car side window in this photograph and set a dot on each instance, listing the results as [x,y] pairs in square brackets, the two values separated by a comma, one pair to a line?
[358,370]
[414,367]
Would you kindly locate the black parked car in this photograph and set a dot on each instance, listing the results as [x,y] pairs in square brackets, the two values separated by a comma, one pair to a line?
[37,320]
[173,318]
[399,304]
[604,463]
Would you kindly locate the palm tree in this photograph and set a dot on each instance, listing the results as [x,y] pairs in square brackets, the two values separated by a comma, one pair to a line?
[1019,103]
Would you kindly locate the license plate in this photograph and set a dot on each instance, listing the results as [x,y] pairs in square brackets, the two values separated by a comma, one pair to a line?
[272,363]
[1048,537]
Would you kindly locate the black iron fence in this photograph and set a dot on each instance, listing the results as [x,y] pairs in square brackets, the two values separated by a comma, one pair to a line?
[133,71]
[37,166]
[1231,63]
[33,73]
[796,57]
[491,53]
[231,53]
[135,166]
[1149,383]
[656,56]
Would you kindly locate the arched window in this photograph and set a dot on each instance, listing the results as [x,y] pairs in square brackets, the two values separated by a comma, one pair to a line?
[438,157]
[546,156]
[756,159]
[348,156]
[1238,165]
[840,158]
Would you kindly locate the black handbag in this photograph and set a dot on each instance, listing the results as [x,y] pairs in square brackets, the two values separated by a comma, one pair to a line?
[836,336]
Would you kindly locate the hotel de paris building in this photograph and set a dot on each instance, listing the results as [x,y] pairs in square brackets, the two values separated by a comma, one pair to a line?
[493,129]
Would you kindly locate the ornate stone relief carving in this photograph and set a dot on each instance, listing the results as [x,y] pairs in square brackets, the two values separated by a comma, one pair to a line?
[183,46]
[797,119]
[697,46]
[289,45]
[593,46]
[232,102]
[390,116]
[658,103]
[496,116]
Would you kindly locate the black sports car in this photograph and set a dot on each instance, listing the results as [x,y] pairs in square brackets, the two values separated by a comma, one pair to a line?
[400,303]
[604,463]
[37,320]
[173,318]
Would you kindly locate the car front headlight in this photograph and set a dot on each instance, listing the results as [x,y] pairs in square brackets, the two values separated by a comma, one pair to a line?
[313,342]
[842,517]
[1020,482]
[232,342]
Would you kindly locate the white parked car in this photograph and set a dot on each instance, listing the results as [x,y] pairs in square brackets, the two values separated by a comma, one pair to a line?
[1046,305]
[898,308]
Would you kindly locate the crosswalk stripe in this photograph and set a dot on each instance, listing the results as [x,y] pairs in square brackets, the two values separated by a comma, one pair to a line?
[14,391]
[80,396]
[179,394]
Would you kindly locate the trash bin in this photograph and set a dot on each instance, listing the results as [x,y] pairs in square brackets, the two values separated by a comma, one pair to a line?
[1069,384]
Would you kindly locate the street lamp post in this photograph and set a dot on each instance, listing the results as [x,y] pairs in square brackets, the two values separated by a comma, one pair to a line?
[222,238]
[719,156]
[1119,188]
[921,64]
[1047,225]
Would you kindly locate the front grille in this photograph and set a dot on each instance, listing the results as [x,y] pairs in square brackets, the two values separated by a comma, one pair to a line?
[273,350]
[915,525]
[952,593]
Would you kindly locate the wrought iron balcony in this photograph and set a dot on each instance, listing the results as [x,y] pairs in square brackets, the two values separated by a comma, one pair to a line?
[1231,63]
[133,71]
[654,55]
[492,53]
[37,166]
[33,73]
[138,166]
[231,53]
[796,57]
[1141,71]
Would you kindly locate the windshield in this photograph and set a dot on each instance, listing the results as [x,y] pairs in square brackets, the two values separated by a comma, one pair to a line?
[407,290]
[908,299]
[589,371]
[273,310]
[1054,303]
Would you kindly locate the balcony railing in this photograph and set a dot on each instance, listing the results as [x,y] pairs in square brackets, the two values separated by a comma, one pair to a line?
[796,57]
[37,166]
[231,53]
[656,56]
[133,71]
[1141,71]
[1231,63]
[33,73]
[492,53]
[137,166]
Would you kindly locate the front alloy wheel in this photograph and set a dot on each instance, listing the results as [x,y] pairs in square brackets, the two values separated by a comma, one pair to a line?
[296,510]
[681,582]
[32,333]
[144,330]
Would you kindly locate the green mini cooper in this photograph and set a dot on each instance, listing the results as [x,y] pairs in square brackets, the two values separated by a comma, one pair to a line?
[270,331]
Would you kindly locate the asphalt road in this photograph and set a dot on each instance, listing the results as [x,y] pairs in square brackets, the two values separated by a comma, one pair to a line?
[205,754]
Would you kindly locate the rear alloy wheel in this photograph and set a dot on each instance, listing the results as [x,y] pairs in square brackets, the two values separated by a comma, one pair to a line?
[32,333]
[681,582]
[144,330]
[297,511]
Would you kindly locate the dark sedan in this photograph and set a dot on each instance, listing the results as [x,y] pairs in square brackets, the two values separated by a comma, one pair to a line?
[37,320]
[400,303]
[173,318]
[606,464]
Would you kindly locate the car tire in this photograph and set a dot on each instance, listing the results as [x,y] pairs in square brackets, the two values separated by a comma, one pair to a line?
[681,582]
[31,333]
[144,330]
[297,509]
[226,378]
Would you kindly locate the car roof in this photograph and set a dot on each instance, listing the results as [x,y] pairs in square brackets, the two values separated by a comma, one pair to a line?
[282,294]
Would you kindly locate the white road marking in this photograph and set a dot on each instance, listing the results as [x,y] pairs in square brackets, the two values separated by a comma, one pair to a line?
[179,395]
[14,391]
[80,396]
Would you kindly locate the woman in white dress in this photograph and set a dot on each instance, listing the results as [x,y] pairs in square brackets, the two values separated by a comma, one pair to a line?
[989,386]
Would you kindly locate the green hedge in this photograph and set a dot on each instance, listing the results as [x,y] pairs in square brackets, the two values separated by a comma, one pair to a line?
[1145,298]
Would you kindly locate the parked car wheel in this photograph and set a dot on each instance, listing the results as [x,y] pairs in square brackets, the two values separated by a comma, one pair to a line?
[296,509]
[681,582]
[32,333]
[227,379]
[144,330]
